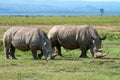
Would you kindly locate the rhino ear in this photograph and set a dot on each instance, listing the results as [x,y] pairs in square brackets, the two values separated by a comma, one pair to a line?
[103,38]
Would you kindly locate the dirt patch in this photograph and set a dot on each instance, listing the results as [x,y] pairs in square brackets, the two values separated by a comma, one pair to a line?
[47,27]
[43,27]
[50,26]
[38,26]
[107,27]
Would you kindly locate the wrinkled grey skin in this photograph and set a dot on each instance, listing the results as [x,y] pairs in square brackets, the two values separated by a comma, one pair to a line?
[70,37]
[26,39]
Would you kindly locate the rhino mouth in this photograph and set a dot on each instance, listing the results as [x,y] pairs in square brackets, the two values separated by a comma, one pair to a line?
[100,54]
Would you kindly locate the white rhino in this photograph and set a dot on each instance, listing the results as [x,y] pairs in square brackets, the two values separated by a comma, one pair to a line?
[26,39]
[74,37]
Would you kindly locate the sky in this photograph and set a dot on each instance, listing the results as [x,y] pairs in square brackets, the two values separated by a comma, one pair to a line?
[39,2]
[21,6]
[36,1]
[49,1]
[102,0]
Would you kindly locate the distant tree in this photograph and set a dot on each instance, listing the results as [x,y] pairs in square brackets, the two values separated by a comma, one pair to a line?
[101,11]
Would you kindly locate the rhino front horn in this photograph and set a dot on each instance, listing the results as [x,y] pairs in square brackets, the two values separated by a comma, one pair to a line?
[103,38]
[107,52]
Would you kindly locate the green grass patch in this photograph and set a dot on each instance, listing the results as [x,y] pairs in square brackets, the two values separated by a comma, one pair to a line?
[73,20]
[70,67]
[92,69]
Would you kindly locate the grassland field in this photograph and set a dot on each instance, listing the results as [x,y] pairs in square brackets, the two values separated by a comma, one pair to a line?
[70,67]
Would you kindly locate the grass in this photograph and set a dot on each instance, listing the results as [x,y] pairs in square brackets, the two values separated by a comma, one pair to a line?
[92,69]
[71,67]
[73,20]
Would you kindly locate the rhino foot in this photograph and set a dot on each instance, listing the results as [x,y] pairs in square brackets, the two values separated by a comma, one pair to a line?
[14,58]
[40,56]
[83,56]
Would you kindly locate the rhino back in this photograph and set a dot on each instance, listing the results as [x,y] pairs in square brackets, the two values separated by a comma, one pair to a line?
[7,37]
[24,38]
[67,37]
[71,37]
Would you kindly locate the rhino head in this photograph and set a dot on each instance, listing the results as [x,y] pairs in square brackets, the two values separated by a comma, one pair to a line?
[100,54]
[96,41]
[96,49]
[47,49]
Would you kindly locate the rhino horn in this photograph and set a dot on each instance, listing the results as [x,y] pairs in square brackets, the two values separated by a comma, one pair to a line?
[107,52]
[100,55]
[48,58]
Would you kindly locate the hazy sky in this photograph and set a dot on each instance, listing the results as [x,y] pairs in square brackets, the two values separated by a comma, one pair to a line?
[102,0]
[37,1]
[58,6]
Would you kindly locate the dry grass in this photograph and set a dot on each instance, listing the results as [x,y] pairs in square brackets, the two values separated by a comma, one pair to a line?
[44,27]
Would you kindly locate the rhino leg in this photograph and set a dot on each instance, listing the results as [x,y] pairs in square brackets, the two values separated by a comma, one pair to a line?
[83,54]
[12,52]
[34,54]
[58,52]
[54,55]
[6,53]
[40,55]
